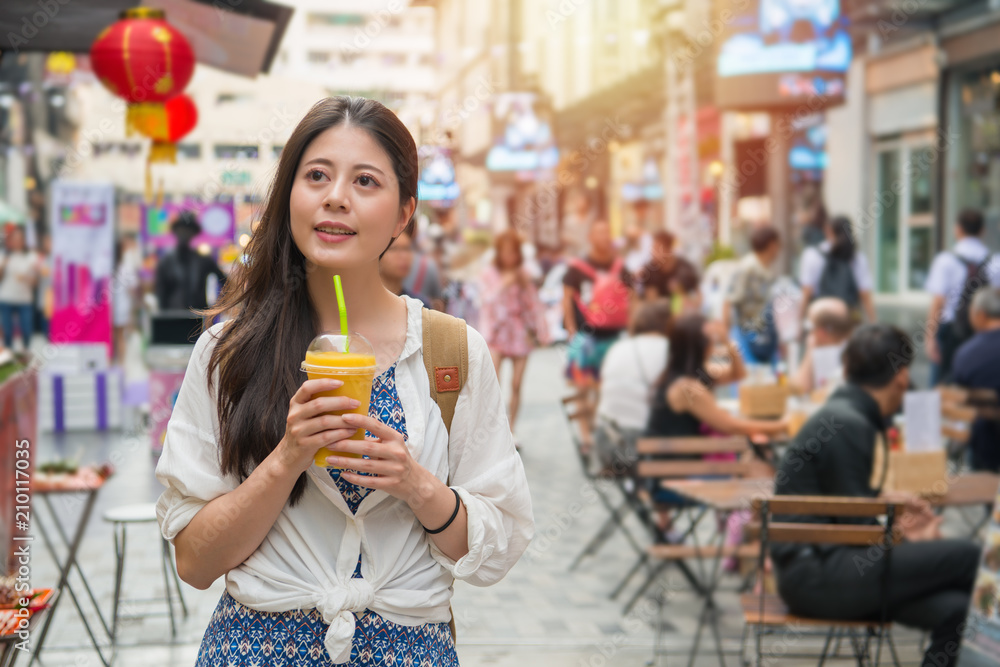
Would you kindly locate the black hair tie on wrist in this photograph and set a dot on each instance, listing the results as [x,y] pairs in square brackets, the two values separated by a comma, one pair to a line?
[458,506]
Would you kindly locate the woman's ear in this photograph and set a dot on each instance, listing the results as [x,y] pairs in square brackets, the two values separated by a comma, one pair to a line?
[405,214]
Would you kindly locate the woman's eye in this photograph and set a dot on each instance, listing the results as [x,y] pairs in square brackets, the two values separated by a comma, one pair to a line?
[315,175]
[365,180]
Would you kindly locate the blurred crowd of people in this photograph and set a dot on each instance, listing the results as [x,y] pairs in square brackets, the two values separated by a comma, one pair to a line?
[633,304]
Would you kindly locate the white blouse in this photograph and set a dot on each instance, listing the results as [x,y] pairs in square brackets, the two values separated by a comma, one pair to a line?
[308,558]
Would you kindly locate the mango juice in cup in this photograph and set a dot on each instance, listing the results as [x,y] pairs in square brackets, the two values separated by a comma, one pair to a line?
[351,360]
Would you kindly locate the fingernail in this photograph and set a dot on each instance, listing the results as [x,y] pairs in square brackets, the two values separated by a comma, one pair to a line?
[349,418]
[355,403]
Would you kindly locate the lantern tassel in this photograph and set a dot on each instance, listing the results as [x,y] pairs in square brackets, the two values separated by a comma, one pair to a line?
[163,151]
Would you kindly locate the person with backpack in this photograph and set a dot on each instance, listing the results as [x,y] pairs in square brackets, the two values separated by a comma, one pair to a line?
[748,302]
[835,268]
[353,562]
[954,277]
[597,293]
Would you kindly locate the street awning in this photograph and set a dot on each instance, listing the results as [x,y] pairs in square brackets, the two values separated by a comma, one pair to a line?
[9,214]
[238,36]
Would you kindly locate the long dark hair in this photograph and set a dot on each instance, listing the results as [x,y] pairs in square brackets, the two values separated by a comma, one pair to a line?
[689,347]
[259,351]
[843,235]
[511,238]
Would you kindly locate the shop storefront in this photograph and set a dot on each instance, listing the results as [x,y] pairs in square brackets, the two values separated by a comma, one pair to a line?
[972,126]
[899,219]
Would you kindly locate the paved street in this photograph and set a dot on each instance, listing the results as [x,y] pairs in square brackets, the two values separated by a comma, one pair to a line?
[539,615]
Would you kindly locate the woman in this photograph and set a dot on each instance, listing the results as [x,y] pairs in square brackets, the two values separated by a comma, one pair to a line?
[683,404]
[354,564]
[834,268]
[511,318]
[631,370]
[19,272]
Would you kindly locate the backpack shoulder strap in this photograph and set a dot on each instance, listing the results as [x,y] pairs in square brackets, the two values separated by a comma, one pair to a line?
[584,267]
[446,358]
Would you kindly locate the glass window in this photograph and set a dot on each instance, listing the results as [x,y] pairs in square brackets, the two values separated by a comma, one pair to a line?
[325,18]
[189,151]
[921,255]
[887,207]
[921,170]
[276,151]
[978,170]
[234,98]
[235,152]
[318,57]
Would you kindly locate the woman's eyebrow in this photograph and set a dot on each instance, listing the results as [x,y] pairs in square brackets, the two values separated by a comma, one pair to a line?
[370,167]
[329,163]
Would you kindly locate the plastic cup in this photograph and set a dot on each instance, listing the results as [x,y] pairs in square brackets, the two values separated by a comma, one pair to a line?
[326,358]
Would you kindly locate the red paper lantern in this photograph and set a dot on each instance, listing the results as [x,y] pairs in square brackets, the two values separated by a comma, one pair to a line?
[167,126]
[142,59]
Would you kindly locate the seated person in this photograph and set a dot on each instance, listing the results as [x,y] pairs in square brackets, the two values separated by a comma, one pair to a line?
[829,322]
[977,365]
[833,455]
[683,404]
[631,370]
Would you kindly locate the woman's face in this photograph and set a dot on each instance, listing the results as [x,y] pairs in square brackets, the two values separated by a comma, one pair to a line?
[508,256]
[345,200]
[15,240]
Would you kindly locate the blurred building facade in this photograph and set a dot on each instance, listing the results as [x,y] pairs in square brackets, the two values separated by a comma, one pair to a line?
[384,50]
[917,138]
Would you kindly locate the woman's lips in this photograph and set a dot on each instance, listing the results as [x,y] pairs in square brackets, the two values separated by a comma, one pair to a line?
[326,237]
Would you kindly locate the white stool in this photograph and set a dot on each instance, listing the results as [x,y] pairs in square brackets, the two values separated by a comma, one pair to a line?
[120,518]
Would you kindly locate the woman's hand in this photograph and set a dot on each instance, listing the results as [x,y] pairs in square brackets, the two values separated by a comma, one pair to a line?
[389,460]
[308,427]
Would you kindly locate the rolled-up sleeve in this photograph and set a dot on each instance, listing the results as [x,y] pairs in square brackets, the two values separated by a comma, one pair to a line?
[189,464]
[486,472]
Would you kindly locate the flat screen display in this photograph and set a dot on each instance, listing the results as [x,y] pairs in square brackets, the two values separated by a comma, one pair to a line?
[782,53]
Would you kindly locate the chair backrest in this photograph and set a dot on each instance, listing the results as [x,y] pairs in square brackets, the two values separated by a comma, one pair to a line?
[859,535]
[674,468]
[735,444]
[844,534]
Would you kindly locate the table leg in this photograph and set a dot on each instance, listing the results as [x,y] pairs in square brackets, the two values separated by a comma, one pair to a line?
[85,520]
[65,569]
[709,613]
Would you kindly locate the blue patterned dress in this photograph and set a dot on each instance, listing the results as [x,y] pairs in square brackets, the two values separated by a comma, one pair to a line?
[238,636]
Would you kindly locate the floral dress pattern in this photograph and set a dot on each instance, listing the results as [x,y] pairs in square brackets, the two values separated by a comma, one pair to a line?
[508,313]
[238,636]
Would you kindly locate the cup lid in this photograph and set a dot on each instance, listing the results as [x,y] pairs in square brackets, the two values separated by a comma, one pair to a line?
[331,345]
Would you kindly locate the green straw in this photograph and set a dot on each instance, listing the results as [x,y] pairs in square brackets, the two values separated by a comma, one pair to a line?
[339,289]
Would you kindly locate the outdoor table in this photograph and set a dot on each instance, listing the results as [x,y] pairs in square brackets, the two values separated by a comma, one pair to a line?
[88,483]
[730,495]
[8,653]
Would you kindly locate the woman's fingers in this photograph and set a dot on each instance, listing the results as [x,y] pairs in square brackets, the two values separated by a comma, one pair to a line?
[310,388]
[324,404]
[373,426]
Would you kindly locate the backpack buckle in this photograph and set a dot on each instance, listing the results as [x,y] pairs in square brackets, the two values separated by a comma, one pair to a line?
[446,378]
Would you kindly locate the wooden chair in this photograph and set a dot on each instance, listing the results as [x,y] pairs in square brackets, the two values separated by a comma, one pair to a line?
[602,481]
[765,612]
[659,461]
